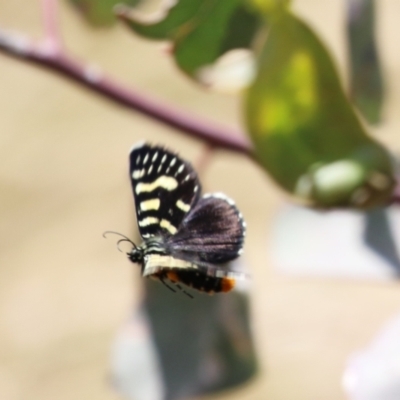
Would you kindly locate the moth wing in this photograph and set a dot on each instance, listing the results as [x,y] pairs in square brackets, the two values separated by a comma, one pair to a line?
[165,189]
[212,233]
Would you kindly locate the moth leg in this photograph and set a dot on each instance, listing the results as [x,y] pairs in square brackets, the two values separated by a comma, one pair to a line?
[183,290]
[166,285]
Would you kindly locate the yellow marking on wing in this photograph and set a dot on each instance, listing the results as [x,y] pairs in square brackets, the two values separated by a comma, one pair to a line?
[152,204]
[168,226]
[149,221]
[183,206]
[166,182]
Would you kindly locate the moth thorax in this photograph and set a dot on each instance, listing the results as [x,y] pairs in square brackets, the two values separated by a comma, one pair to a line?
[153,245]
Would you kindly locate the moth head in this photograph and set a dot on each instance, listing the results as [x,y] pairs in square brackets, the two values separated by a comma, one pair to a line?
[136,255]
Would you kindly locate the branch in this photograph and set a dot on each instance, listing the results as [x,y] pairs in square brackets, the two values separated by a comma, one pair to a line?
[90,76]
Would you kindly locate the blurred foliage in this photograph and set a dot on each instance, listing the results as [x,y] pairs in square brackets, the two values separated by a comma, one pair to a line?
[270,7]
[99,12]
[366,86]
[205,344]
[201,30]
[305,131]
[379,237]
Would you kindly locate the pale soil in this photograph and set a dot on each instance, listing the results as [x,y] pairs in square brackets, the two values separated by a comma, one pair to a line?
[64,290]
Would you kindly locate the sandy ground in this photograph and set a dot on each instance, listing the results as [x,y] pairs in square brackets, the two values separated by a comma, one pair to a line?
[64,290]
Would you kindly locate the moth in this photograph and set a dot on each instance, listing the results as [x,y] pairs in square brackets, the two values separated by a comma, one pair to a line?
[187,238]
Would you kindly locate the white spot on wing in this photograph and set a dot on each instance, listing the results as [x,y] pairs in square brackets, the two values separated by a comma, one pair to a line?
[168,226]
[221,196]
[155,156]
[138,173]
[166,182]
[152,204]
[150,169]
[173,161]
[137,146]
[146,157]
[163,159]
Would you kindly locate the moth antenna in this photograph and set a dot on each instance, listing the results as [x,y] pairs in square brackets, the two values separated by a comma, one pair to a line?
[124,239]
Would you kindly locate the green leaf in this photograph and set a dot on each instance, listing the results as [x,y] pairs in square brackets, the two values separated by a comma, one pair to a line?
[366,82]
[305,131]
[269,7]
[176,16]
[202,30]
[99,12]
[199,44]
[241,29]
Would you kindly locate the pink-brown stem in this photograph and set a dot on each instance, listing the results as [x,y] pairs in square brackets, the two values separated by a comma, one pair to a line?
[58,60]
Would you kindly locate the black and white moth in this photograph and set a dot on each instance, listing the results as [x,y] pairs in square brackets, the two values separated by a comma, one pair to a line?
[187,238]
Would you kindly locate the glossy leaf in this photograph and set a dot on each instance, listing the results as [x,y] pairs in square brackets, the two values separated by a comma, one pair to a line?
[366,85]
[99,12]
[305,131]
[201,30]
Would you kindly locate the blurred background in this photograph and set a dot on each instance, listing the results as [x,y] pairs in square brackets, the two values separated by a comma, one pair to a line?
[65,291]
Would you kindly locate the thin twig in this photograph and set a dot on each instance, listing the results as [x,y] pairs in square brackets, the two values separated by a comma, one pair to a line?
[205,158]
[91,77]
[52,36]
